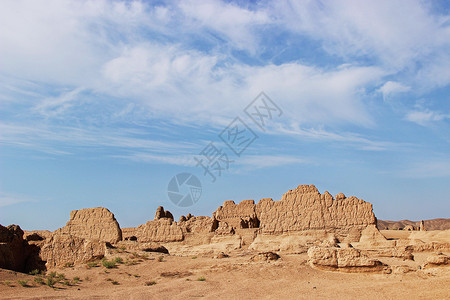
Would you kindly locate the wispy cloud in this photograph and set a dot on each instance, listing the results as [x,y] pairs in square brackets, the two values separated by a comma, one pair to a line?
[51,107]
[110,64]
[346,138]
[7,199]
[50,141]
[392,87]
[425,117]
[254,162]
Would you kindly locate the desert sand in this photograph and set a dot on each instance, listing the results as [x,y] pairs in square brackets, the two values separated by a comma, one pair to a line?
[234,277]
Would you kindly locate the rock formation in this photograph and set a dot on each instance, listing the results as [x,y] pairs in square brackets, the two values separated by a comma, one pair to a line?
[160,230]
[160,213]
[436,260]
[347,260]
[62,249]
[422,226]
[93,224]
[265,256]
[15,252]
[242,215]
[301,209]
[339,234]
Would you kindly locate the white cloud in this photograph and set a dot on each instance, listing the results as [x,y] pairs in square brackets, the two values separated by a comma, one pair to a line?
[424,117]
[173,81]
[234,23]
[394,31]
[52,140]
[348,139]
[268,161]
[178,160]
[393,87]
[400,36]
[54,106]
[313,95]
[145,56]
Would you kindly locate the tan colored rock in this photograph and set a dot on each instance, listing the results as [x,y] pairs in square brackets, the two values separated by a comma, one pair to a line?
[198,225]
[437,260]
[129,234]
[15,252]
[145,247]
[161,213]
[305,208]
[409,228]
[265,256]
[301,209]
[323,257]
[401,269]
[402,252]
[37,235]
[224,228]
[221,255]
[346,260]
[293,242]
[161,230]
[215,245]
[61,249]
[93,224]
[422,226]
[242,215]
[371,237]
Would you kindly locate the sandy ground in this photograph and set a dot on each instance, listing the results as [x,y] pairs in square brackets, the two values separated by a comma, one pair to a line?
[235,277]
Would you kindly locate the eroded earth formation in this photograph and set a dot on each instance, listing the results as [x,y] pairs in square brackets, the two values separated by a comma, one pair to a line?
[338,233]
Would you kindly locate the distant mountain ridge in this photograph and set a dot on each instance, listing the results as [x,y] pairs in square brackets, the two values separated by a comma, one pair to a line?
[433,224]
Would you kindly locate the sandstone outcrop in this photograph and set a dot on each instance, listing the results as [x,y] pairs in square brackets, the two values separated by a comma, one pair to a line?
[160,230]
[61,249]
[242,215]
[339,233]
[301,209]
[346,260]
[265,256]
[161,213]
[306,209]
[93,224]
[198,225]
[371,237]
[37,235]
[436,260]
[15,252]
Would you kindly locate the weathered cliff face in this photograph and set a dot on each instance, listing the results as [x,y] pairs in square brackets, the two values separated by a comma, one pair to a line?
[301,209]
[305,208]
[15,252]
[93,224]
[242,215]
[160,230]
[61,249]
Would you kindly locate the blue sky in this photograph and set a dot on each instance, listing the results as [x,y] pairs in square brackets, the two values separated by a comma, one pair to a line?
[103,102]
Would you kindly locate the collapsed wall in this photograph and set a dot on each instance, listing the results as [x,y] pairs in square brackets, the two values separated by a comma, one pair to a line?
[303,215]
[301,209]
[96,223]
